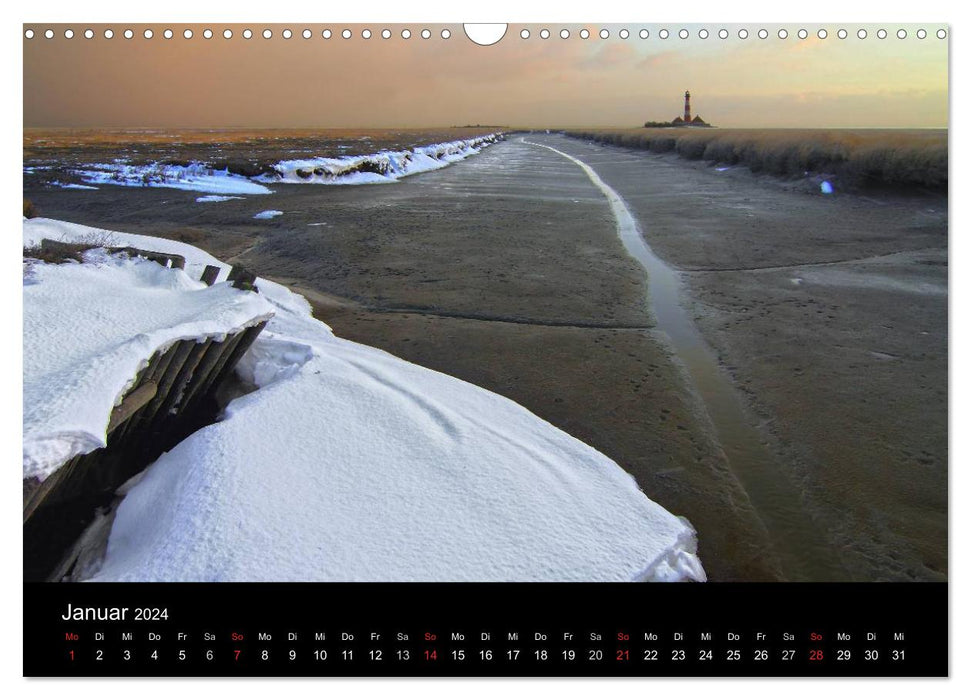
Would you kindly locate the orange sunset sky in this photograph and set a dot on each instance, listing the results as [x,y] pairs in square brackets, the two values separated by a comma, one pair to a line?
[432,82]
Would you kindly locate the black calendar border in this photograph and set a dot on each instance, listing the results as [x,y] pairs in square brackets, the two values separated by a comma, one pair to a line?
[919,611]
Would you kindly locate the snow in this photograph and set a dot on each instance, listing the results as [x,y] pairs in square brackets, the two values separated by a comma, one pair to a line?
[89,328]
[196,177]
[377,168]
[350,464]
[216,198]
[268,214]
[381,167]
[71,185]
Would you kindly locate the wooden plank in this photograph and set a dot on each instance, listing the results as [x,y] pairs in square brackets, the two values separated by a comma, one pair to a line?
[228,347]
[158,370]
[165,383]
[132,402]
[182,379]
[249,335]
[37,492]
[201,374]
[210,274]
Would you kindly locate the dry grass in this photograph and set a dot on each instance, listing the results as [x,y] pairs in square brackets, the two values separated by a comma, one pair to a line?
[30,211]
[58,255]
[858,157]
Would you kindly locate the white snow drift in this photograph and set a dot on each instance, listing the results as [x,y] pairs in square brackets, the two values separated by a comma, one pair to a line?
[350,464]
[195,177]
[381,167]
[88,330]
[376,168]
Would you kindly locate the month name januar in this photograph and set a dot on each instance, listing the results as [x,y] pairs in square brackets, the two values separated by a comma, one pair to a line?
[82,614]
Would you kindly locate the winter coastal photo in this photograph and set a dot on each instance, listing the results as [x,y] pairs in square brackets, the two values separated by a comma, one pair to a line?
[399,302]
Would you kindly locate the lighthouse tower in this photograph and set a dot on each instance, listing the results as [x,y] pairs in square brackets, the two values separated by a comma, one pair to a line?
[687,107]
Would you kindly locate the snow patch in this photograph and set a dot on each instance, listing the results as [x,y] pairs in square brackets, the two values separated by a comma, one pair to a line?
[70,185]
[376,168]
[216,198]
[195,177]
[268,214]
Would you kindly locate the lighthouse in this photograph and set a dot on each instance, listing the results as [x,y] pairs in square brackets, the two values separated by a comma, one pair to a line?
[687,107]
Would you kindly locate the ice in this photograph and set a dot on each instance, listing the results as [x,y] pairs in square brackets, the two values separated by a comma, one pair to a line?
[216,198]
[268,214]
[350,464]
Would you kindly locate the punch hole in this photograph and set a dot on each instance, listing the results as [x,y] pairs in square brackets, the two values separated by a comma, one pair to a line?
[683,34]
[207,34]
[168,34]
[802,34]
[228,34]
[604,34]
[306,34]
[446,33]
[743,33]
[941,34]
[129,34]
[921,34]
[664,33]
[524,34]
[783,34]
[763,34]
[287,33]
[366,34]
[901,33]
[703,34]
[544,34]
[624,33]
[68,33]
[842,34]
[346,34]
[425,34]
[267,34]
[861,34]
[406,34]
[29,34]
[109,34]
[483,34]
[722,33]
[564,33]
[148,34]
[385,33]
[187,34]
[584,34]
[643,34]
[881,34]
[247,34]
[326,34]
[822,34]
[49,34]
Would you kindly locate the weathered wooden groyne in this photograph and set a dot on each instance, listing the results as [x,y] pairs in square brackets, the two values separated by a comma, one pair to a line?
[171,397]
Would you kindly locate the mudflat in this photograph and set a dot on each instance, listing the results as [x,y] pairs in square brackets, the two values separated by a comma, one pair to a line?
[828,314]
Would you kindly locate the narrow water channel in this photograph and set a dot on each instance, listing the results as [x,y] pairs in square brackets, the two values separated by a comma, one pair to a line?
[800,546]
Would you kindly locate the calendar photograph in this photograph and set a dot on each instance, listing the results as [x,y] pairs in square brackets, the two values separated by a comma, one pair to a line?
[387,303]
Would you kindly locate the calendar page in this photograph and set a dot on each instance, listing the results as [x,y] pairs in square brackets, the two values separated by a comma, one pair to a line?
[417,349]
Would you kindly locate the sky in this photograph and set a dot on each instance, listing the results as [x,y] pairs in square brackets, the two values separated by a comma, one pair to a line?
[415,82]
